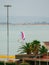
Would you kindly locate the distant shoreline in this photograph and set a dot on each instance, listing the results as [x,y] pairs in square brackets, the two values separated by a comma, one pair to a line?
[23,24]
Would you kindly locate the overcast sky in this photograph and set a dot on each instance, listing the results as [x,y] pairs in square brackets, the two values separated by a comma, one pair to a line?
[39,8]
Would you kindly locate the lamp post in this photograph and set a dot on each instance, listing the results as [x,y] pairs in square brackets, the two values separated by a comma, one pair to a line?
[7,6]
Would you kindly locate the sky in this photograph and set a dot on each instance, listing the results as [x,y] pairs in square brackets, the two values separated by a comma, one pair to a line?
[39,8]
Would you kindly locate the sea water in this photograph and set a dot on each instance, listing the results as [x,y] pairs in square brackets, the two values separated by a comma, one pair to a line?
[32,32]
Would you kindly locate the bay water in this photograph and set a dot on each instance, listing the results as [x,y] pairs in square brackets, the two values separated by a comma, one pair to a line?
[32,32]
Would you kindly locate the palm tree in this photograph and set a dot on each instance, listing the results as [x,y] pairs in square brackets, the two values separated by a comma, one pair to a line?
[35,46]
[43,50]
[26,48]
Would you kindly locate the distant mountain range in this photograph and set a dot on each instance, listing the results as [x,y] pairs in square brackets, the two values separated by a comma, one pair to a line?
[25,20]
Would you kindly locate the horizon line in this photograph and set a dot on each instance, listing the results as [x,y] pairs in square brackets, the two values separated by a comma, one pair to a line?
[25,24]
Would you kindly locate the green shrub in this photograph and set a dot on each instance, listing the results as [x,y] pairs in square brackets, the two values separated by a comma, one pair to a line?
[1,62]
[10,63]
[24,63]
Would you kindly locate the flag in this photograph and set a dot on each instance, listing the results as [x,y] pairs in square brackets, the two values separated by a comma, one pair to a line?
[23,35]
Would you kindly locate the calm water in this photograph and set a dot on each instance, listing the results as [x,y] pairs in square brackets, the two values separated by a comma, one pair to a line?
[32,32]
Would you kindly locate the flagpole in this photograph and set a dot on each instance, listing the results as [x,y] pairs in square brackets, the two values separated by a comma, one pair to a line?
[7,6]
